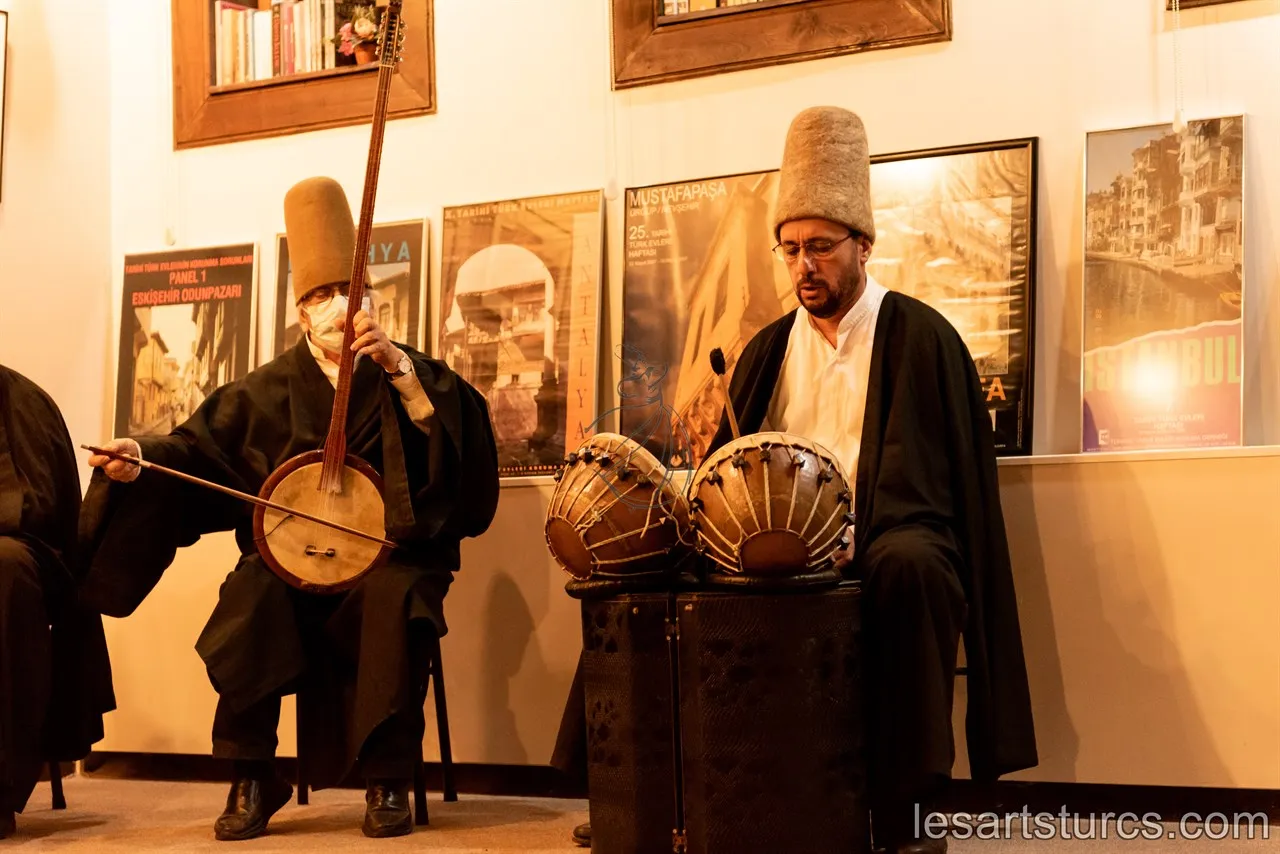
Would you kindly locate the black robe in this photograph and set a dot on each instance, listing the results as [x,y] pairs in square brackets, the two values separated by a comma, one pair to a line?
[438,489]
[55,672]
[927,458]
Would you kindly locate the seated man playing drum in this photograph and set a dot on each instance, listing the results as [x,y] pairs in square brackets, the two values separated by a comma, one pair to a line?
[888,385]
[356,657]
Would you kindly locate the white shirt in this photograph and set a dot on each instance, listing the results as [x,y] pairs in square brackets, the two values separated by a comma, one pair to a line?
[821,393]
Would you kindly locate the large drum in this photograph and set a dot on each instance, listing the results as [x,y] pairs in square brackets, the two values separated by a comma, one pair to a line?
[771,505]
[616,514]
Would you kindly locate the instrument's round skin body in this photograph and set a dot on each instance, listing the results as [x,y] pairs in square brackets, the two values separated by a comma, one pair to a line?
[314,557]
[770,505]
[615,513]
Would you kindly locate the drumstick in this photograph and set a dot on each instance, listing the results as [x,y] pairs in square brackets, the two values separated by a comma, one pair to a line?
[717,365]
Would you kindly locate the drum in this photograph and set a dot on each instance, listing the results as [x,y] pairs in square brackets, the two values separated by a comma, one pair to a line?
[770,505]
[615,512]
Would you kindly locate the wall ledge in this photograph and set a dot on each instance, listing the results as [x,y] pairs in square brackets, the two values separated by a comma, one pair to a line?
[1248,451]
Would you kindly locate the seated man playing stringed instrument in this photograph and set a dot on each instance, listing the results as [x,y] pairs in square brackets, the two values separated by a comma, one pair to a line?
[356,653]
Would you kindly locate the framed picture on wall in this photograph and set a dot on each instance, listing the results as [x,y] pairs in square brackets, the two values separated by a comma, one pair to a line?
[519,319]
[396,284]
[188,324]
[1163,351]
[955,228]
[1194,4]
[4,86]
[655,41]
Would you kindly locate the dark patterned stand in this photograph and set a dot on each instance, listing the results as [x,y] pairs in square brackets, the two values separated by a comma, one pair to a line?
[764,690]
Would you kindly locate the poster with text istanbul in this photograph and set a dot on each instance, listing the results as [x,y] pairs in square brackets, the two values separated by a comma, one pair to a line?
[1163,287]
[187,326]
[520,319]
[955,228]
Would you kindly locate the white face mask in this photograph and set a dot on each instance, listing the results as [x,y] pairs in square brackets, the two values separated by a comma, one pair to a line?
[324,321]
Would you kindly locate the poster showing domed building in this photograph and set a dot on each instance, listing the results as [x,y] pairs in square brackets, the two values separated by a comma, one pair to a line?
[520,317]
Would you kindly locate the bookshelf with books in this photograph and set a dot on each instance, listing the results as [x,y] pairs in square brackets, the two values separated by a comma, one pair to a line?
[248,69]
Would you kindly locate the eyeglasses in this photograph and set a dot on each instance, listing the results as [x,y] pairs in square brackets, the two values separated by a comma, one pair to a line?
[324,293]
[789,251]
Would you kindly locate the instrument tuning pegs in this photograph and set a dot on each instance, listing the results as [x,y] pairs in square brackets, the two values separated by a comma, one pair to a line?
[738,461]
[844,497]
[713,478]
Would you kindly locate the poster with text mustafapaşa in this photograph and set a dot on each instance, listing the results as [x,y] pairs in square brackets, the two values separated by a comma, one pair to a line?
[955,229]
[1163,287]
[187,327]
[520,317]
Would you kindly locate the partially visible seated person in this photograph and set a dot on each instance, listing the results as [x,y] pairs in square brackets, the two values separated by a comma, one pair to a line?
[55,675]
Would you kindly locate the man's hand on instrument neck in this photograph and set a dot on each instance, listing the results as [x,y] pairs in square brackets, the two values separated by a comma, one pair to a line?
[371,341]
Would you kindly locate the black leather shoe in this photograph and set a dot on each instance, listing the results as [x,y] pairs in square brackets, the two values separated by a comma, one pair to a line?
[250,805]
[582,835]
[386,810]
[8,824]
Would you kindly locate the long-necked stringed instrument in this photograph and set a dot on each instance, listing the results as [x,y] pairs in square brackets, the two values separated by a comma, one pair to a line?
[330,483]
[319,520]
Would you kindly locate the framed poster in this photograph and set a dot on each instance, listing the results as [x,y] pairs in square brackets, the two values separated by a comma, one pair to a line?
[519,319]
[396,283]
[657,41]
[187,326]
[955,228]
[1163,350]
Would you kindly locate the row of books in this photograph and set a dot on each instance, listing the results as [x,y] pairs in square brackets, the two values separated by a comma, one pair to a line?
[277,38]
[683,7]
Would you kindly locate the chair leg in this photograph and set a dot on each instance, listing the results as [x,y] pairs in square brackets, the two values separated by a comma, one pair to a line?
[420,794]
[442,726]
[55,783]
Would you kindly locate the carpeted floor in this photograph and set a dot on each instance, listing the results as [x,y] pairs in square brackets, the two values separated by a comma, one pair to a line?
[142,816]
[111,815]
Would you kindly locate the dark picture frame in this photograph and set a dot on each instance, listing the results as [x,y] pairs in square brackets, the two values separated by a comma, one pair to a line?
[650,47]
[204,114]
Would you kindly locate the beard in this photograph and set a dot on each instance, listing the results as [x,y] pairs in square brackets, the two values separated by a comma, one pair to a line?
[827,301]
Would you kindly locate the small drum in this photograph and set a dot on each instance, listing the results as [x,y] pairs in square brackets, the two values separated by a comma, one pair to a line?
[771,505]
[615,513]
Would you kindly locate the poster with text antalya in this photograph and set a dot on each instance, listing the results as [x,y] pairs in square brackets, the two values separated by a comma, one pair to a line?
[1163,287]
[519,319]
[187,327]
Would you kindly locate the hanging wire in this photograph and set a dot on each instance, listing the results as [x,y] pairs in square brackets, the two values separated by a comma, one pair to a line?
[1179,122]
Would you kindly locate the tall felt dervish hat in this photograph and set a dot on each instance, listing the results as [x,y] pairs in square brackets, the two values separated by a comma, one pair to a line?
[826,171]
[321,234]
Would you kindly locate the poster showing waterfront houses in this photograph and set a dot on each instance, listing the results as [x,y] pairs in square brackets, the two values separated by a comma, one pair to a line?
[1163,287]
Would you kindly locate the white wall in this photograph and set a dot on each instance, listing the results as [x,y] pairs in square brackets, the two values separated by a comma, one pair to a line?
[525,108]
[55,215]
